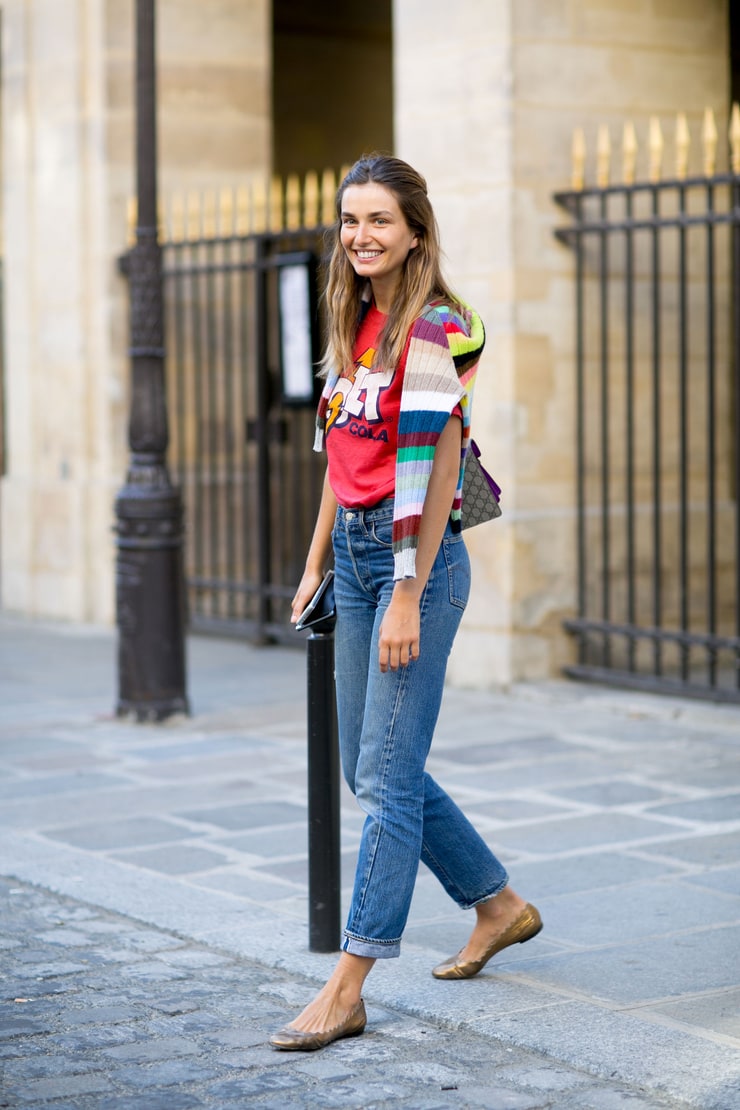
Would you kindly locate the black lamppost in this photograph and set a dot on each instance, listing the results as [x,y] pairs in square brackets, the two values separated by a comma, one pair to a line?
[150,595]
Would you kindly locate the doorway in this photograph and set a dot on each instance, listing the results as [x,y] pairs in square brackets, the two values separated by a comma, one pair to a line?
[332,87]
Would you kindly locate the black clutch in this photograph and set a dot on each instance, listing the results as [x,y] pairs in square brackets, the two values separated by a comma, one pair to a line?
[320,614]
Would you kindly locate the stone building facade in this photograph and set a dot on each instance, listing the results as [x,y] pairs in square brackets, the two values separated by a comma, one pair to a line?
[484,101]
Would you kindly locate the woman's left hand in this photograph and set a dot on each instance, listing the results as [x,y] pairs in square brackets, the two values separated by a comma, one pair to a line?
[400,629]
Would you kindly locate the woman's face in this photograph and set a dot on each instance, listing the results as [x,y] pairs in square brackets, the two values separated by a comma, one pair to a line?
[375,235]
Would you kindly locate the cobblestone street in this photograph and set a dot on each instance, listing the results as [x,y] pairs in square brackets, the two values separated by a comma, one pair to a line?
[101,1013]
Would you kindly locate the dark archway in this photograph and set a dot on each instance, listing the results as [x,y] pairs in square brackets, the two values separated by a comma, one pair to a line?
[332,88]
[734,17]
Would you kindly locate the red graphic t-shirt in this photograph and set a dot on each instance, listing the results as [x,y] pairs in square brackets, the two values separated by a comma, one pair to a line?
[362,423]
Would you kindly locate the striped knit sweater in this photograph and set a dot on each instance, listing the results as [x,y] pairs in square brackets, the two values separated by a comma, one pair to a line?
[444,350]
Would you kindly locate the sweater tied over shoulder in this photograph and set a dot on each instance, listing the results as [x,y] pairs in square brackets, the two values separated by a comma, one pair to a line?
[445,346]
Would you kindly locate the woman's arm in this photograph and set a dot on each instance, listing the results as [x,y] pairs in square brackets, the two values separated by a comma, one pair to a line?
[399,632]
[318,551]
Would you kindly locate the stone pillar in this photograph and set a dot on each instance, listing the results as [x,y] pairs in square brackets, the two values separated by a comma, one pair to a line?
[454,123]
[68,104]
[486,101]
[56,359]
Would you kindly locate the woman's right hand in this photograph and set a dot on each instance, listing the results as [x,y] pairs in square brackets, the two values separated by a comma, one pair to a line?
[309,584]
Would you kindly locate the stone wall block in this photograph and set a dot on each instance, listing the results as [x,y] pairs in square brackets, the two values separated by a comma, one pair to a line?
[220,31]
[430,22]
[481,660]
[474,232]
[68,115]
[679,25]
[551,20]
[613,78]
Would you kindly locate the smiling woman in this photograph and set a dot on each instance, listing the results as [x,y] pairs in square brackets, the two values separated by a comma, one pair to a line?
[394,417]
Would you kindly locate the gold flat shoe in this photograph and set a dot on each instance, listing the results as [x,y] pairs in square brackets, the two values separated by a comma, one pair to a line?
[526,926]
[292,1040]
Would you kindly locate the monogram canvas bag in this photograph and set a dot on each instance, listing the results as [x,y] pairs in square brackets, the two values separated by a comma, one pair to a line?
[481,493]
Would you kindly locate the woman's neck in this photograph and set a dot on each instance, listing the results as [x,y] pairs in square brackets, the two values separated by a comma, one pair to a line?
[383,295]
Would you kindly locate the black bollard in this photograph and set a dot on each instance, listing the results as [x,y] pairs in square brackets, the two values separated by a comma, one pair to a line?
[324,881]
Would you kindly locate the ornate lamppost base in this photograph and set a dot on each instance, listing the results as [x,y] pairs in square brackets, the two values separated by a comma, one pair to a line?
[150,603]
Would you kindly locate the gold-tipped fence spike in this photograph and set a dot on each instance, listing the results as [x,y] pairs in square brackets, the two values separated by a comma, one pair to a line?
[735,138]
[178,223]
[209,214]
[683,142]
[311,199]
[243,210]
[259,205]
[709,143]
[578,159]
[226,212]
[277,222]
[328,197]
[293,202]
[132,216]
[603,155]
[263,204]
[655,149]
[194,223]
[629,153]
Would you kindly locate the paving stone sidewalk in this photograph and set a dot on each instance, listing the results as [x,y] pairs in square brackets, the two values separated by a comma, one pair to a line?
[102,1013]
[618,814]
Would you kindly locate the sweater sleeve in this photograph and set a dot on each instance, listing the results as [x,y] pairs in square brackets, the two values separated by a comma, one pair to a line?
[442,360]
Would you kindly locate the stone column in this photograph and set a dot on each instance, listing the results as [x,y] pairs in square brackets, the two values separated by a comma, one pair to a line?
[487,98]
[68,105]
[58,422]
[454,123]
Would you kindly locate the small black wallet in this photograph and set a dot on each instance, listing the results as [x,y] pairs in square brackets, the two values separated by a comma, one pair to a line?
[320,613]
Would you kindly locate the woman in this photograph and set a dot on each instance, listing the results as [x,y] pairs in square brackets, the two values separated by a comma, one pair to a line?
[396,425]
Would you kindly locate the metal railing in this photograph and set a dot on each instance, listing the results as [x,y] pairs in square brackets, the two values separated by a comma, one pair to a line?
[241,441]
[657,361]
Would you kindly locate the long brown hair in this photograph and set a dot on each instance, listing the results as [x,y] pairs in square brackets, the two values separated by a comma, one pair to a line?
[421,277]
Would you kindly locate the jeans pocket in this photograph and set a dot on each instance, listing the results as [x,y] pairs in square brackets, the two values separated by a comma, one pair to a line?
[381,531]
[458,569]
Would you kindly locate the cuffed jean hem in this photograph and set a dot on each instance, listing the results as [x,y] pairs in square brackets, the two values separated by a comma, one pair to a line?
[488,897]
[372,949]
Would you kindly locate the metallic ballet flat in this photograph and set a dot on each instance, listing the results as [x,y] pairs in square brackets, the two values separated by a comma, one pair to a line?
[291,1040]
[526,926]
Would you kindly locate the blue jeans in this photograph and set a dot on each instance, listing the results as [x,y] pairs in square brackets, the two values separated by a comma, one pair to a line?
[386,723]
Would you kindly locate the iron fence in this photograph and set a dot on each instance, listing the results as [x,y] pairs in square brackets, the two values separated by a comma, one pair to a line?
[657,362]
[241,450]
